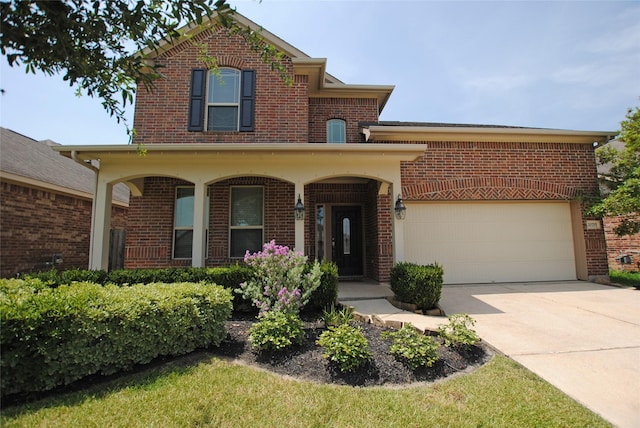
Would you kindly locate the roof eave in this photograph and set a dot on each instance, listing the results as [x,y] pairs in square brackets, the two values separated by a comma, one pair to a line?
[482,134]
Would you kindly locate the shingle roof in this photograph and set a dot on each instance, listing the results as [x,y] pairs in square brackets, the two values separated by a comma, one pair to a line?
[438,125]
[26,157]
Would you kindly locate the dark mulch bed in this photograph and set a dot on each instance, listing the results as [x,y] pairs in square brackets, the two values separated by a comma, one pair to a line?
[302,362]
[306,362]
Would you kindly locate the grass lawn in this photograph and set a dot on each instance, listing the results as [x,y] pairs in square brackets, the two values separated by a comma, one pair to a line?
[198,391]
[625,278]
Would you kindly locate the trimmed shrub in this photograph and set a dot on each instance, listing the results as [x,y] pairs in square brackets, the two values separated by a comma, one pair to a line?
[276,330]
[345,346]
[52,337]
[326,295]
[412,347]
[417,284]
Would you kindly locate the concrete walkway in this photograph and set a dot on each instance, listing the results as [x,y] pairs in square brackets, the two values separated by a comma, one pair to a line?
[584,338]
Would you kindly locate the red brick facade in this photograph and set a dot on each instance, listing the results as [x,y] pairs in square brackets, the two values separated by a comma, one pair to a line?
[290,114]
[281,114]
[38,223]
[618,246]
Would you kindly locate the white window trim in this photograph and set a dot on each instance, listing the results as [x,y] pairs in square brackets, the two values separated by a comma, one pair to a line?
[212,74]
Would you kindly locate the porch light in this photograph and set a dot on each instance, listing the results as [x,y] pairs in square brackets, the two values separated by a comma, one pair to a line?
[299,209]
[400,209]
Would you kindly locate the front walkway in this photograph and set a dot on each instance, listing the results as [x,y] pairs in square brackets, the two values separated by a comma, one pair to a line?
[584,338]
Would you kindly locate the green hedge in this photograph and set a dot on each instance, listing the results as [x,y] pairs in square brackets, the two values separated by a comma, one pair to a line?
[54,336]
[229,277]
[417,284]
[326,294]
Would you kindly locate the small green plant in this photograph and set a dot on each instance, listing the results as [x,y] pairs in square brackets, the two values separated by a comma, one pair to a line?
[345,346]
[412,347]
[336,317]
[417,284]
[276,330]
[458,333]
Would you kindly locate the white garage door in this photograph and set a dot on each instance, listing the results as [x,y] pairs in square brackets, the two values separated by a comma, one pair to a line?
[492,242]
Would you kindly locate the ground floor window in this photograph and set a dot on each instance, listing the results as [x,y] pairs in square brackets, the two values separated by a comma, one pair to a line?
[246,222]
[183,222]
[320,238]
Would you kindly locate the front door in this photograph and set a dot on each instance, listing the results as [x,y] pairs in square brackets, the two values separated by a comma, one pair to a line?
[346,239]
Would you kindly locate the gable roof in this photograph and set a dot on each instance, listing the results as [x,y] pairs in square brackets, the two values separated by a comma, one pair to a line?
[321,83]
[33,162]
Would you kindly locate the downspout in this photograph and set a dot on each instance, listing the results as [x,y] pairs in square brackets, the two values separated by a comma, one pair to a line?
[87,164]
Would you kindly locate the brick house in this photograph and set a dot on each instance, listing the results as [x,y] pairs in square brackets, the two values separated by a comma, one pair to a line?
[229,156]
[45,207]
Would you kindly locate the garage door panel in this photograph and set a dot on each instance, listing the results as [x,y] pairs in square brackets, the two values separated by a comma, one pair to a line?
[492,242]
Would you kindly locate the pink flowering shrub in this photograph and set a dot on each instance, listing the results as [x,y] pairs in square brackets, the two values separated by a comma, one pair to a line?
[279,282]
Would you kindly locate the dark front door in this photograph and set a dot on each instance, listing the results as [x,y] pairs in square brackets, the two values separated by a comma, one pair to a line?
[346,239]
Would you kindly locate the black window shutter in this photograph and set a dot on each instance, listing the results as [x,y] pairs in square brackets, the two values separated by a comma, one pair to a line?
[197,99]
[247,100]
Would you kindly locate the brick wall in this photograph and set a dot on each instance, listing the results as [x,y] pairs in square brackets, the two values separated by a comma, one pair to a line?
[150,237]
[508,171]
[351,110]
[281,112]
[37,223]
[620,245]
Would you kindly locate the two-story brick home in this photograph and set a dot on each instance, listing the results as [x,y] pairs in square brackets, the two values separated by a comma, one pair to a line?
[231,154]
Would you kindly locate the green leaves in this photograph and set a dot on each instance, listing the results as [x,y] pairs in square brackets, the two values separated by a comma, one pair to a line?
[458,332]
[345,346]
[51,337]
[417,284]
[412,347]
[620,176]
[276,330]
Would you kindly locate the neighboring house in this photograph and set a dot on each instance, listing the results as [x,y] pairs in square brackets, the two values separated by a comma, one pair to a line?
[45,207]
[229,156]
[623,252]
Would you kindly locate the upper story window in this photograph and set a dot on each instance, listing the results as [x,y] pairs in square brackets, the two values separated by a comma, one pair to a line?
[222,101]
[336,131]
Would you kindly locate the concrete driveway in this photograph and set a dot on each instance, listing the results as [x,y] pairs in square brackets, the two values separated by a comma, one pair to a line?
[584,338]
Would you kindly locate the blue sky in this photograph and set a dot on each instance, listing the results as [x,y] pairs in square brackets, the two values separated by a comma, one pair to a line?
[565,65]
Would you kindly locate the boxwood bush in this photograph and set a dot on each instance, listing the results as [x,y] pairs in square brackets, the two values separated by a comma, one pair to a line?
[54,336]
[417,284]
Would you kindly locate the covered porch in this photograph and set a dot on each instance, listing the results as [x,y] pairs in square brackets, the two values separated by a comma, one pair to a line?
[322,176]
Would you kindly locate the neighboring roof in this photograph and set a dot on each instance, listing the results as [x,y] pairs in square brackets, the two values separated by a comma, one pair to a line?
[321,83]
[432,131]
[27,160]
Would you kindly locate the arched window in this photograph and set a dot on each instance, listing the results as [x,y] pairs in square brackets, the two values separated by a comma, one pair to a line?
[336,131]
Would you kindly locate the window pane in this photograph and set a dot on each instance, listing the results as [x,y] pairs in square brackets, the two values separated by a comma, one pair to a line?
[184,207]
[245,239]
[346,236]
[183,244]
[246,206]
[223,118]
[336,131]
[225,87]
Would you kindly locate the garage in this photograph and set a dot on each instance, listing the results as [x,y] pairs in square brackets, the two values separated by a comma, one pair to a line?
[484,242]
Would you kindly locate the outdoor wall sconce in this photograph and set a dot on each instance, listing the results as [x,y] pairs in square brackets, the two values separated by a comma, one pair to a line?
[400,209]
[299,209]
